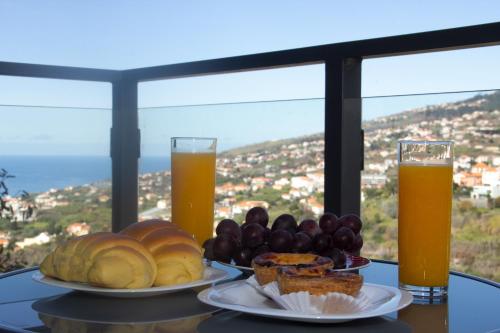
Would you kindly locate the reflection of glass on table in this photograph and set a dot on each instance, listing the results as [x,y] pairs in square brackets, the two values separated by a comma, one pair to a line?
[424,216]
[193,185]
[426,317]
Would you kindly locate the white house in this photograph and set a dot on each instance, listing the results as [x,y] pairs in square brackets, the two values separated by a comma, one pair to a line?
[482,191]
[41,238]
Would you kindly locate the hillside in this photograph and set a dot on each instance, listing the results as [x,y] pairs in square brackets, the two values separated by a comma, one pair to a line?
[287,176]
[429,121]
[486,102]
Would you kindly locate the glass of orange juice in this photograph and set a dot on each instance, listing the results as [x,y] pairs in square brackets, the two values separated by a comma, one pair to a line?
[424,217]
[193,185]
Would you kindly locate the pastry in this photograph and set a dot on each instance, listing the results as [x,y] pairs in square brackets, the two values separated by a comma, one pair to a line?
[291,280]
[177,254]
[142,229]
[102,259]
[266,265]
[153,252]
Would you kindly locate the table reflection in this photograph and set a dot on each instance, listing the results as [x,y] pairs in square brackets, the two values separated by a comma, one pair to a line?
[63,325]
[231,322]
[77,312]
[426,317]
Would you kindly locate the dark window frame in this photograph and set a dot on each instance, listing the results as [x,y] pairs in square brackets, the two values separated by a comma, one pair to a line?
[343,132]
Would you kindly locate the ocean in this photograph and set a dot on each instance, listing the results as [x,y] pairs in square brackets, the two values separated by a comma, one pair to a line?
[36,174]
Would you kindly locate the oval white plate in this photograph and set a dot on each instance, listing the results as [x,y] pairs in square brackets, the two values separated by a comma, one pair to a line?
[239,296]
[211,275]
[352,262]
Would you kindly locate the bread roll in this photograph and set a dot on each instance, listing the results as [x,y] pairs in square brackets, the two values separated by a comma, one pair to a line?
[178,256]
[142,229]
[164,237]
[121,267]
[102,259]
[66,259]
[177,264]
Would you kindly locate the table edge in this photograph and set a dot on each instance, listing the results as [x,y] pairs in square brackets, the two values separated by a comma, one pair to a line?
[383,261]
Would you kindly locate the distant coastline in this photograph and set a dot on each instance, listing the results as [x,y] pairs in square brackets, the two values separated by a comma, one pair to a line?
[36,174]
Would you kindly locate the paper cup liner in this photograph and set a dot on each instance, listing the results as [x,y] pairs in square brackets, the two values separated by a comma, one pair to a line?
[304,302]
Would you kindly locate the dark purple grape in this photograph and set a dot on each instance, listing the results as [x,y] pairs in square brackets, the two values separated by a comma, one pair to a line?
[208,245]
[257,215]
[285,222]
[343,238]
[267,234]
[230,227]
[322,242]
[243,257]
[337,256]
[224,247]
[244,225]
[352,222]
[310,227]
[329,223]
[264,248]
[301,242]
[253,235]
[280,241]
[356,245]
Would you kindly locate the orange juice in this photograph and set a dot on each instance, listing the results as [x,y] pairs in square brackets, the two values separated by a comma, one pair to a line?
[193,190]
[424,224]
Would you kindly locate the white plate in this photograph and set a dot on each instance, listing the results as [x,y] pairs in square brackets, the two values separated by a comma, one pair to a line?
[211,275]
[239,296]
[244,269]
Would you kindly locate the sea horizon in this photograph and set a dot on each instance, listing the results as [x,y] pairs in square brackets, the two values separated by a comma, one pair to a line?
[40,173]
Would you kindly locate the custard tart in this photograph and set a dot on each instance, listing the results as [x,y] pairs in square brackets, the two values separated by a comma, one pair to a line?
[291,280]
[266,265]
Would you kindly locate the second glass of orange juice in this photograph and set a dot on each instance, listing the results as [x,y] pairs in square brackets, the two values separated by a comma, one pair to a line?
[424,216]
[193,185]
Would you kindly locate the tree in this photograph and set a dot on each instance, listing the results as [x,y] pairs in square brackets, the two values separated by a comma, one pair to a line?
[5,210]
[391,187]
[8,262]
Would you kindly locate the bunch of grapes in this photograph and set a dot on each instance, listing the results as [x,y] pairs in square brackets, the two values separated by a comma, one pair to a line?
[331,237]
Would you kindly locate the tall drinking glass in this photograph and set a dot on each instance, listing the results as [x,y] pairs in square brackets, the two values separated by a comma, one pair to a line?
[424,216]
[193,185]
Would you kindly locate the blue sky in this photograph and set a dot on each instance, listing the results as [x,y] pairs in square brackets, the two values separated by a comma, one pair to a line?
[120,34]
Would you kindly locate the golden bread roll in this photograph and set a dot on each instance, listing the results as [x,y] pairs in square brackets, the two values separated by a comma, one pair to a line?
[47,265]
[65,256]
[142,229]
[76,270]
[165,237]
[178,256]
[110,240]
[177,264]
[121,267]
[102,259]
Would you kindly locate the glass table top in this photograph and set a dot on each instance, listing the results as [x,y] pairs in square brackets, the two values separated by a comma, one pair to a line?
[27,306]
